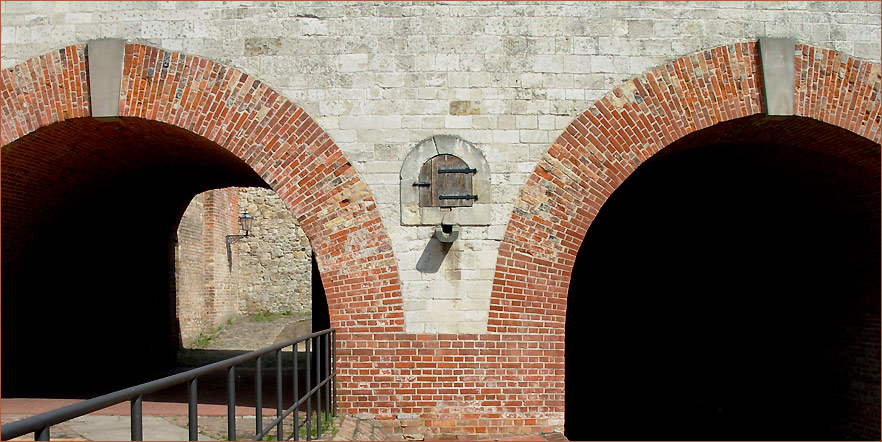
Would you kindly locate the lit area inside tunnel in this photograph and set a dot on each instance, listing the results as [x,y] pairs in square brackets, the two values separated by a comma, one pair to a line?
[90,211]
[729,290]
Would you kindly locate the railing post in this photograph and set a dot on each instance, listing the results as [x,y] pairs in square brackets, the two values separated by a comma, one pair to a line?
[296,393]
[137,430]
[192,405]
[327,373]
[42,434]
[279,427]
[258,396]
[309,390]
[334,367]
[318,392]
[231,403]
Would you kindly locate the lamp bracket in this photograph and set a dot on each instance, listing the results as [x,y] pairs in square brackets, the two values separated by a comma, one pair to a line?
[235,238]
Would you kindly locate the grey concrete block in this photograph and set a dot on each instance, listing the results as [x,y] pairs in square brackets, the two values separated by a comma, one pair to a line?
[778,72]
[105,75]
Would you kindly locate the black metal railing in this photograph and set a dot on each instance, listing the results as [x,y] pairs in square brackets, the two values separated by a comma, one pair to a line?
[323,356]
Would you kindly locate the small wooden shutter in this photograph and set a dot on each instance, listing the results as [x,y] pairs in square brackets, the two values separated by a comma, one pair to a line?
[446,181]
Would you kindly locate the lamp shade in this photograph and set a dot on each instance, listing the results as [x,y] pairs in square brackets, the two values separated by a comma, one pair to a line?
[245,220]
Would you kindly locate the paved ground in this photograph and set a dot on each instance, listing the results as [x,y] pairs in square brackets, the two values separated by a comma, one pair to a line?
[168,421]
[253,333]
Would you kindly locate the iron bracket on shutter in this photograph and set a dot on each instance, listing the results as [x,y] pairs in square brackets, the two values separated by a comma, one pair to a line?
[458,197]
[457,170]
[421,184]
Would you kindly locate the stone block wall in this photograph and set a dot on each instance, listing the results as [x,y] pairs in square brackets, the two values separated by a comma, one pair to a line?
[275,270]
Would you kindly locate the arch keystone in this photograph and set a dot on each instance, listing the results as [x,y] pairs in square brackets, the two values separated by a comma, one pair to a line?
[105,76]
[776,56]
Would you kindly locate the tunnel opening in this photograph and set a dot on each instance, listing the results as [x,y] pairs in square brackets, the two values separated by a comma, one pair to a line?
[90,213]
[243,292]
[729,290]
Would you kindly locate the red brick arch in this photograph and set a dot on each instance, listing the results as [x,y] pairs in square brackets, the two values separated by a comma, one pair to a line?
[606,143]
[276,138]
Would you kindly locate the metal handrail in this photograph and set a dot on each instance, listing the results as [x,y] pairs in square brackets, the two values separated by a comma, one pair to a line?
[39,424]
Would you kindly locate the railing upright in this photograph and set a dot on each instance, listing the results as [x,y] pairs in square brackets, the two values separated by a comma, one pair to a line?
[231,403]
[327,373]
[137,429]
[279,427]
[318,394]
[258,395]
[308,388]
[334,373]
[192,409]
[296,394]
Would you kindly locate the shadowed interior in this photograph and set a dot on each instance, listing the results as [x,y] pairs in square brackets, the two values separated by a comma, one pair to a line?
[90,211]
[729,289]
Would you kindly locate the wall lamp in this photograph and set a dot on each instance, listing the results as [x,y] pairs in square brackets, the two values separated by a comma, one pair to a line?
[245,220]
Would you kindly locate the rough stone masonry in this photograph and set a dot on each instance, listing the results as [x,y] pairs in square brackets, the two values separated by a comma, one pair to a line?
[509,78]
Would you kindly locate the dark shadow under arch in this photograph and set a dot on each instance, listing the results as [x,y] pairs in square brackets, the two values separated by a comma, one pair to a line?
[90,211]
[728,289]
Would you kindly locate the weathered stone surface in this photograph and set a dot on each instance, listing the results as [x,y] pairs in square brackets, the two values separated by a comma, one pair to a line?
[275,267]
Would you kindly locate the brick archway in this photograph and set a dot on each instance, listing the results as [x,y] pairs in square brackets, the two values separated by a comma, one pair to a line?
[273,136]
[606,143]
[637,120]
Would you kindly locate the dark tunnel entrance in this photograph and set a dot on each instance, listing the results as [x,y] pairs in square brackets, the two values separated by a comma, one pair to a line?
[729,290]
[89,215]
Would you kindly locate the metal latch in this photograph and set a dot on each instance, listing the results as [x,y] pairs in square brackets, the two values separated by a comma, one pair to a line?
[457,170]
[458,197]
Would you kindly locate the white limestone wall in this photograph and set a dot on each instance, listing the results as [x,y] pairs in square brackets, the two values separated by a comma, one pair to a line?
[380,77]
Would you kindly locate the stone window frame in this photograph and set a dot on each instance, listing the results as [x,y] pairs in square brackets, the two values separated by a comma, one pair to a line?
[412,214]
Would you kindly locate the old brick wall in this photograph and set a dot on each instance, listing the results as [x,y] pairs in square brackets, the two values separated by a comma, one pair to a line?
[190,272]
[206,277]
[221,208]
[515,79]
